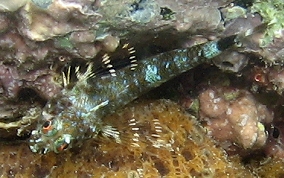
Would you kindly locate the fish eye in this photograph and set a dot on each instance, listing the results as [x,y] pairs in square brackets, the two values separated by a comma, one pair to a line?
[238,44]
[60,145]
[48,128]
[47,125]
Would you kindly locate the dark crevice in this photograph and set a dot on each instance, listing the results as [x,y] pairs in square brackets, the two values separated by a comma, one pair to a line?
[31,96]
[244,3]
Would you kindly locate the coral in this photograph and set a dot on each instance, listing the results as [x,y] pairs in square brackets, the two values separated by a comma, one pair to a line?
[41,38]
[133,12]
[262,21]
[159,140]
[144,11]
[235,117]
[275,77]
[37,21]
[233,12]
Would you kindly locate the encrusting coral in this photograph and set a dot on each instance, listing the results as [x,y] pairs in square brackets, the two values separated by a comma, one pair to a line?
[236,113]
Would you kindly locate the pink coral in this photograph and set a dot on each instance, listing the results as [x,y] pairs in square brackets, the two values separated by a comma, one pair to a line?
[234,117]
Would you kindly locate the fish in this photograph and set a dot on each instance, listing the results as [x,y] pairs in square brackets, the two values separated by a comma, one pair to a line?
[77,113]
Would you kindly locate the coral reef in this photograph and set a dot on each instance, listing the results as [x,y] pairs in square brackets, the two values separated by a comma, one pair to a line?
[41,39]
[229,112]
[159,140]
[36,35]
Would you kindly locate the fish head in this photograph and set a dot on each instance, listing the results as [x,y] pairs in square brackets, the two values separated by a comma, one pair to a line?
[57,128]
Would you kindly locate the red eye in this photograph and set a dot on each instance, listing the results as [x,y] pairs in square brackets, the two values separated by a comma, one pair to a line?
[62,147]
[47,126]
[259,78]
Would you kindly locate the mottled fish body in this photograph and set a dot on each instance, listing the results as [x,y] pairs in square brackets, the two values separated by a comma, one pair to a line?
[77,113]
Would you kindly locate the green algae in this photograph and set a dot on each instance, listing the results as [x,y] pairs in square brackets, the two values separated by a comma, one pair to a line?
[64,42]
[273,15]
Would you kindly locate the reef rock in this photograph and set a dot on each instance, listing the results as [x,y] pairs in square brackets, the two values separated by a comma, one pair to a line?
[159,139]
[234,116]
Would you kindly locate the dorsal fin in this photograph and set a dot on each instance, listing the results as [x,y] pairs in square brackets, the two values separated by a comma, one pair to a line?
[132,58]
[82,77]
[124,56]
[66,77]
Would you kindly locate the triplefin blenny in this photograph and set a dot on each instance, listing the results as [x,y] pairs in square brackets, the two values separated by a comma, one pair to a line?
[76,113]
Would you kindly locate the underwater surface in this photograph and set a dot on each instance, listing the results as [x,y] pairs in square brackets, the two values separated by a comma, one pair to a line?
[141,88]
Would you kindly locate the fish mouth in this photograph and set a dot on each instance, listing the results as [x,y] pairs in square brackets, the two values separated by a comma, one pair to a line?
[36,147]
[38,144]
[42,144]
